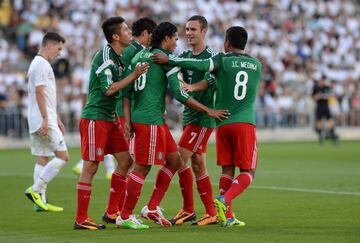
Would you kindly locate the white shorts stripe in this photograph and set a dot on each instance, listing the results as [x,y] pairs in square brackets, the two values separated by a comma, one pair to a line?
[254,158]
[200,138]
[91,138]
[151,158]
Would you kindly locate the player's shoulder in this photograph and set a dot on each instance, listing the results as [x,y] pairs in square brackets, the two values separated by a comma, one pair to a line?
[39,63]
[210,51]
[186,53]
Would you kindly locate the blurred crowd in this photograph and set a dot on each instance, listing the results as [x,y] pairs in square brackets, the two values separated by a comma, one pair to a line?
[297,41]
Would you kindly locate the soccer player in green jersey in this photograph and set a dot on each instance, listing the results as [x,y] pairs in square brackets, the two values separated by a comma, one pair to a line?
[196,132]
[99,132]
[154,143]
[141,31]
[237,80]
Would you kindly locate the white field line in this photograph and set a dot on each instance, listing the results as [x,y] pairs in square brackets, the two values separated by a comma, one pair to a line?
[274,188]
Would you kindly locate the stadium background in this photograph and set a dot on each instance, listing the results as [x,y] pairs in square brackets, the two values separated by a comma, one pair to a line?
[297,41]
[303,192]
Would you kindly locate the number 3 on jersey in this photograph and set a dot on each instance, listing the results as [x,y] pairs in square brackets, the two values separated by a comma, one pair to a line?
[241,80]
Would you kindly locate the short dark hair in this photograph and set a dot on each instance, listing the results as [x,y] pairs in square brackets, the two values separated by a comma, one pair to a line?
[202,20]
[237,37]
[161,31]
[110,25]
[142,24]
[52,37]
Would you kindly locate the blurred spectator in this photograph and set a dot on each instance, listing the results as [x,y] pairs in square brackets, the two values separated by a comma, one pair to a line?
[297,42]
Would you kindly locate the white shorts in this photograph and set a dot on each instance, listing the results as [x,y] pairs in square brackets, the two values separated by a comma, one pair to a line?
[45,146]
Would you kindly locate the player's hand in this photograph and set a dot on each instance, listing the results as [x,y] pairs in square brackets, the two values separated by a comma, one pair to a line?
[43,130]
[159,57]
[141,68]
[128,131]
[61,126]
[218,114]
[186,87]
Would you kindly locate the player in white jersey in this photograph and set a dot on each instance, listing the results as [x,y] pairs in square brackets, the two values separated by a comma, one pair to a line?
[45,127]
[108,159]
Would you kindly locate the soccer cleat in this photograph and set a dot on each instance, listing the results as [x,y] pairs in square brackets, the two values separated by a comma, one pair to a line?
[36,208]
[205,220]
[182,216]
[35,198]
[155,215]
[53,208]
[88,224]
[221,208]
[234,222]
[76,170]
[131,223]
[109,218]
[108,176]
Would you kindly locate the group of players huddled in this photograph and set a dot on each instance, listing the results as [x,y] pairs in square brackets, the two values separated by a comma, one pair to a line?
[129,79]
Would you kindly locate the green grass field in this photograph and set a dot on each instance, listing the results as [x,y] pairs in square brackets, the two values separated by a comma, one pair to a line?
[302,193]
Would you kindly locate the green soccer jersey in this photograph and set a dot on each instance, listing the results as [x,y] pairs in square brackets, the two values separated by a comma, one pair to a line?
[127,54]
[106,67]
[149,89]
[237,82]
[206,97]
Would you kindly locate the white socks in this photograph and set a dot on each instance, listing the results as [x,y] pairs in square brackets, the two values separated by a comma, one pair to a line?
[37,172]
[48,173]
[80,164]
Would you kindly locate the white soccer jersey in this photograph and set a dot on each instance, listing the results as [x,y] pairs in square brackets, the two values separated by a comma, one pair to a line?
[41,73]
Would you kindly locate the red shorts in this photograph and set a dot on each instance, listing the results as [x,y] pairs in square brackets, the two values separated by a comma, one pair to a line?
[99,138]
[236,144]
[152,144]
[195,138]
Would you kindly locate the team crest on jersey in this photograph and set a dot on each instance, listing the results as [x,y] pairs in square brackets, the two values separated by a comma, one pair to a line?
[190,72]
[99,151]
[160,156]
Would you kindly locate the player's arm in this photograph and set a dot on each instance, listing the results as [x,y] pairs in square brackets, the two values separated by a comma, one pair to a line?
[110,88]
[199,86]
[40,99]
[206,65]
[126,105]
[184,98]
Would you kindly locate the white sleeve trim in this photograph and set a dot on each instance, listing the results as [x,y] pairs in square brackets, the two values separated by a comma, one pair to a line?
[211,66]
[172,71]
[103,66]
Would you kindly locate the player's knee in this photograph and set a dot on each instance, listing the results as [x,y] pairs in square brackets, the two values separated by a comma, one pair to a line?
[198,168]
[143,170]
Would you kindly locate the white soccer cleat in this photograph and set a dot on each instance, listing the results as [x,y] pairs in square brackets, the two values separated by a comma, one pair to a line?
[131,223]
[155,215]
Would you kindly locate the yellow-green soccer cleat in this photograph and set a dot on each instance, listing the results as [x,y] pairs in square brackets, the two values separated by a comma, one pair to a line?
[51,208]
[234,222]
[35,198]
[131,223]
[221,208]
[76,170]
